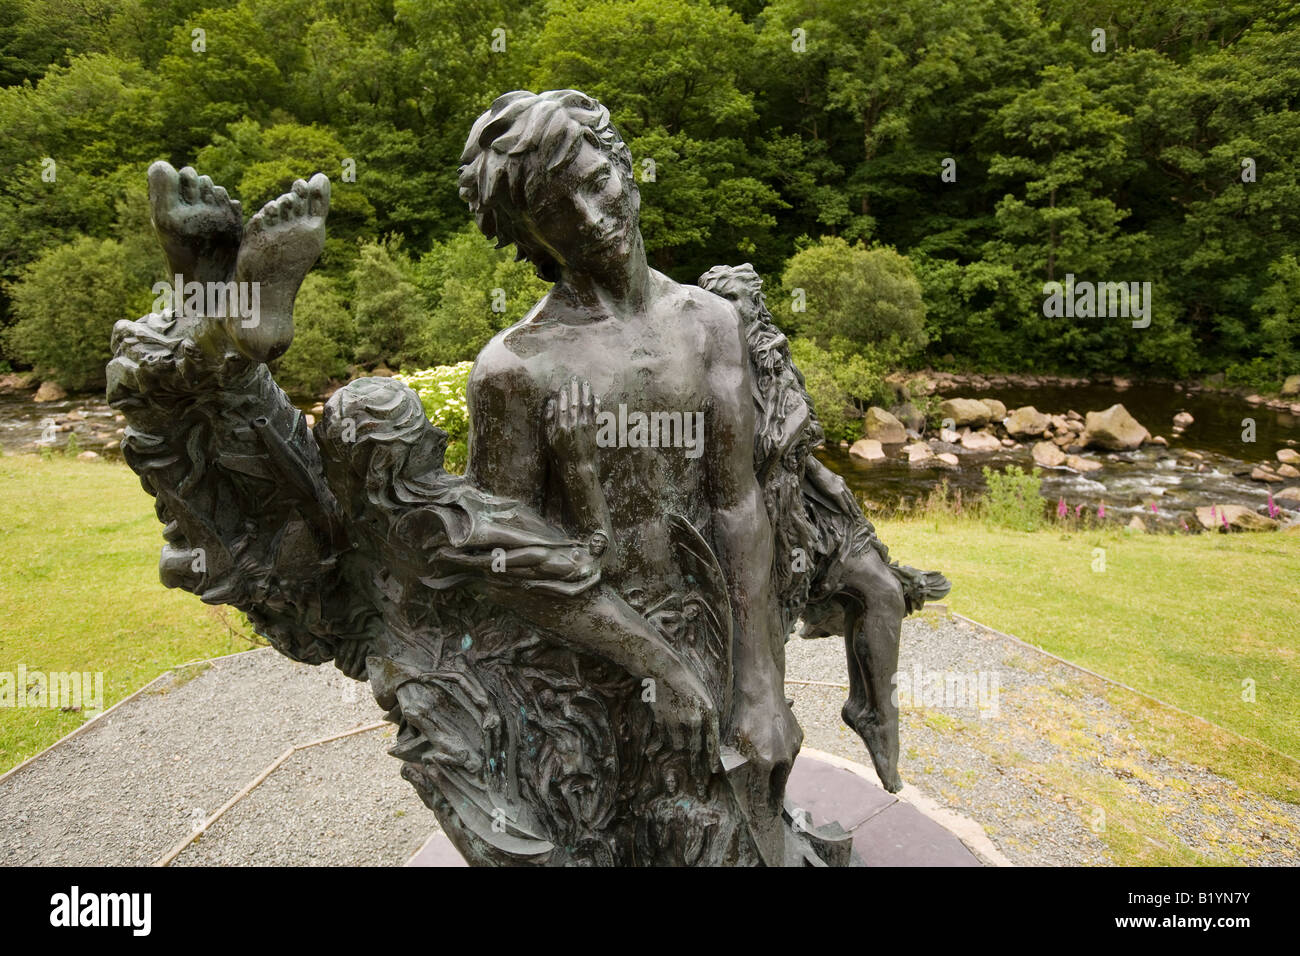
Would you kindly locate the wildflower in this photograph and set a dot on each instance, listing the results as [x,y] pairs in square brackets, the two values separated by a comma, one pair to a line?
[1101,510]
[1062,509]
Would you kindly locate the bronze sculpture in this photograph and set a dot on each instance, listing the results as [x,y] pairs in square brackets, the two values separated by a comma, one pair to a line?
[581,640]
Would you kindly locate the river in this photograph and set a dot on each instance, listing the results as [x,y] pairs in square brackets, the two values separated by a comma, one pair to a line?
[1129,483]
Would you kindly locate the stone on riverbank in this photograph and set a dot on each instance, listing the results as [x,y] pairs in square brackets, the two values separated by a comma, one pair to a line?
[1081,464]
[1288,494]
[1291,386]
[867,448]
[980,441]
[966,411]
[884,427]
[1237,517]
[1026,422]
[997,411]
[917,451]
[50,392]
[1048,454]
[1114,429]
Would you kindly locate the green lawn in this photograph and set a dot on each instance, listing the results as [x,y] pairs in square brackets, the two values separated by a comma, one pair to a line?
[1186,618]
[79,591]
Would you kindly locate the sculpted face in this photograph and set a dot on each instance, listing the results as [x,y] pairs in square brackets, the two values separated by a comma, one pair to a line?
[585,209]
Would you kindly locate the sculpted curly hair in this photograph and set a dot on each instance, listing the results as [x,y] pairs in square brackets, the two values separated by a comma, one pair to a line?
[515,146]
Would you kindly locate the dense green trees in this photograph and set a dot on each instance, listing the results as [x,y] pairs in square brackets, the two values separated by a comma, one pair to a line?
[992,145]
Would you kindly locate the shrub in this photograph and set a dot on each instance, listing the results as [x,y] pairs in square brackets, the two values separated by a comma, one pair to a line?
[1014,500]
[842,383]
[66,302]
[462,280]
[442,392]
[870,298]
[389,314]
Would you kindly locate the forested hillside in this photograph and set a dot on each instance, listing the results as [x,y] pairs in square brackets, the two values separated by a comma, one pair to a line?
[919,168]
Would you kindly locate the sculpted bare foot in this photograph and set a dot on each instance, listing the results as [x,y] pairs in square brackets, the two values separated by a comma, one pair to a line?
[281,244]
[198,224]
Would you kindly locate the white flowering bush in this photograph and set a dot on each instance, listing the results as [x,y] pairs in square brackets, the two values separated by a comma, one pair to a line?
[442,392]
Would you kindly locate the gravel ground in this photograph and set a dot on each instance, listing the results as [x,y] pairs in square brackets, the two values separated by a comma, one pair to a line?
[1032,769]
[1040,770]
[343,803]
[129,788]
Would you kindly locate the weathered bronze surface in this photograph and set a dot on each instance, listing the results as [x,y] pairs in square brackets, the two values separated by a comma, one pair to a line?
[581,640]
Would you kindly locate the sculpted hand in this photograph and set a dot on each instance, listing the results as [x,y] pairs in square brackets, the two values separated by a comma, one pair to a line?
[687,711]
[570,423]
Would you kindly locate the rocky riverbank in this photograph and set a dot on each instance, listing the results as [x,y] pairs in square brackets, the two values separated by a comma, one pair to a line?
[973,430]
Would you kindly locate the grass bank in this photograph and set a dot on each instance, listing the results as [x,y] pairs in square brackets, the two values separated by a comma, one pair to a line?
[1204,622]
[79,591]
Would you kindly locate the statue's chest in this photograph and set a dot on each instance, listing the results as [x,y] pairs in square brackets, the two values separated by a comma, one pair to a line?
[646,368]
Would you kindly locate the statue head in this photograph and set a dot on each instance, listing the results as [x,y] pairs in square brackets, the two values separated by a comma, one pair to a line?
[550,173]
[377,442]
[741,285]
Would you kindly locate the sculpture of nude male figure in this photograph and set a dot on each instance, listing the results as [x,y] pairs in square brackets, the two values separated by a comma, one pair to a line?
[549,173]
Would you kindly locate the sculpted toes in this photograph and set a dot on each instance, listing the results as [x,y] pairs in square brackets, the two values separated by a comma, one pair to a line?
[318,191]
[189,185]
[164,184]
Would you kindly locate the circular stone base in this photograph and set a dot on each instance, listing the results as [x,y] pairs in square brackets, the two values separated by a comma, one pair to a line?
[886,830]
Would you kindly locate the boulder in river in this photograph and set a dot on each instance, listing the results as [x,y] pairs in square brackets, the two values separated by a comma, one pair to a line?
[1264,473]
[1113,429]
[1236,517]
[966,411]
[997,411]
[1047,454]
[50,392]
[948,458]
[980,441]
[1081,464]
[884,427]
[867,448]
[1288,494]
[917,451]
[1288,456]
[1026,422]
[1288,471]
[1183,419]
